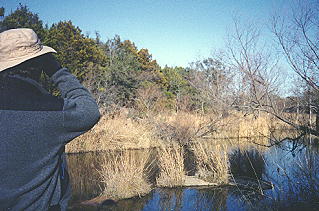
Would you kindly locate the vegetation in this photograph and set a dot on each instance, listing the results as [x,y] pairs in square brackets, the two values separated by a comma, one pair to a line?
[125,132]
[171,166]
[123,174]
[178,139]
[201,111]
[212,162]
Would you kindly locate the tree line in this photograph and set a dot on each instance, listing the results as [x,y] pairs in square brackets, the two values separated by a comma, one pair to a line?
[245,76]
[116,71]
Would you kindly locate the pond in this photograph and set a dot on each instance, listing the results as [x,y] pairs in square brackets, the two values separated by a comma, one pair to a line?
[292,167]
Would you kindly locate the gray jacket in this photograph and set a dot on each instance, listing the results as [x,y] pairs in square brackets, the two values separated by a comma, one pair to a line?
[33,173]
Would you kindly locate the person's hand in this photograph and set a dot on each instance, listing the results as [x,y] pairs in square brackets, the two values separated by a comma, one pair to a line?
[50,64]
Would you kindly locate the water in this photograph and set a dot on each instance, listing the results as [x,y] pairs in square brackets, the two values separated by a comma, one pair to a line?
[292,167]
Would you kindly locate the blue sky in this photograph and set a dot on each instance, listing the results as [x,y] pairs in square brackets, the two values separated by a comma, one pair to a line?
[176,32]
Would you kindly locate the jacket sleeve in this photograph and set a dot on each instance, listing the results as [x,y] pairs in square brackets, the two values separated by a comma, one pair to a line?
[80,111]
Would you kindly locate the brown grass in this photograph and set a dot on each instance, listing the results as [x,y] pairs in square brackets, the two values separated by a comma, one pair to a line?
[177,127]
[125,174]
[239,125]
[186,127]
[113,133]
[212,162]
[171,166]
[123,131]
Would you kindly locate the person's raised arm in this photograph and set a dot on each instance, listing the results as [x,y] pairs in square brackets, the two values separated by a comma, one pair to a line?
[80,109]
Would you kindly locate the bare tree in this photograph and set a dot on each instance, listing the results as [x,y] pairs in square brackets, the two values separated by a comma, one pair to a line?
[297,34]
[255,68]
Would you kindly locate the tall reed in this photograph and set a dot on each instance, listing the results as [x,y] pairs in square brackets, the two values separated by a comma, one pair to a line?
[114,133]
[212,162]
[171,166]
[124,174]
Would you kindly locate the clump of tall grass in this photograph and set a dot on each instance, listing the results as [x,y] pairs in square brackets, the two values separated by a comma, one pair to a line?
[179,127]
[125,175]
[171,166]
[254,126]
[113,133]
[212,162]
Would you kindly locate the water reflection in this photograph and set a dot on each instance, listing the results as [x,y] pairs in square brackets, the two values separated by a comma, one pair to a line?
[294,173]
[187,199]
[85,180]
[247,163]
[292,167]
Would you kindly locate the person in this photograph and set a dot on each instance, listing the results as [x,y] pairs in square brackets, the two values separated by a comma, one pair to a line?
[35,125]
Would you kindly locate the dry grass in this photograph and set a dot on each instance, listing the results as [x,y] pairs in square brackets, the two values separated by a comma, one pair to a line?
[125,174]
[186,127]
[239,125]
[113,133]
[179,127]
[212,162]
[122,131]
[171,166]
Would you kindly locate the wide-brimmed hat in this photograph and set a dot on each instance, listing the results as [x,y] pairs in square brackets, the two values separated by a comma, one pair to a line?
[20,45]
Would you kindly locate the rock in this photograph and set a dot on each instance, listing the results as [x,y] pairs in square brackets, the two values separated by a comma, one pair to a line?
[99,201]
[192,181]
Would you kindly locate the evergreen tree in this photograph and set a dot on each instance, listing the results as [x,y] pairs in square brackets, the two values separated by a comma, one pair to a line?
[22,18]
[75,51]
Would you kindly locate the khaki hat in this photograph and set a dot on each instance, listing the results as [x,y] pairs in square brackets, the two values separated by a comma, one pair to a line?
[20,45]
